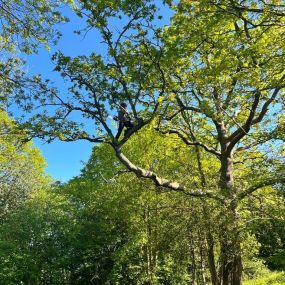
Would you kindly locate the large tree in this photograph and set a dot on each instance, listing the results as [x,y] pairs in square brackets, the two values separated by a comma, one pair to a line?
[212,77]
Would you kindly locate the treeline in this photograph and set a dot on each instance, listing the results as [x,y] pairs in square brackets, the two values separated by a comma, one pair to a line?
[107,227]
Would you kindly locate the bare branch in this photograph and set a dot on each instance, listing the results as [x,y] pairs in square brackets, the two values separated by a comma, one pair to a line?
[241,132]
[161,182]
[155,60]
[107,34]
[80,137]
[188,142]
[268,102]
[127,27]
[110,180]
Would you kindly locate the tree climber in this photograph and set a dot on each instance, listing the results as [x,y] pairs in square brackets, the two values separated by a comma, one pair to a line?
[124,119]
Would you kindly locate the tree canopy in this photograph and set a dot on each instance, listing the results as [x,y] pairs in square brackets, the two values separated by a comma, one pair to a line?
[104,226]
[213,78]
[210,79]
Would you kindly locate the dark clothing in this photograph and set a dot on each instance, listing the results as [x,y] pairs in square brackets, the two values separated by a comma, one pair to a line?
[123,116]
[128,124]
[124,121]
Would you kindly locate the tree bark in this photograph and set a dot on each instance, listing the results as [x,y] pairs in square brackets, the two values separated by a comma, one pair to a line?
[237,270]
[230,253]
[226,173]
[211,259]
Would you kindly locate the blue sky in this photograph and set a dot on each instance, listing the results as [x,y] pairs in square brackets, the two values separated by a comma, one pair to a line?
[66,159]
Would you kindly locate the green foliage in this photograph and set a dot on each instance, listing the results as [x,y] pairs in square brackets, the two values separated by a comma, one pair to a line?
[107,226]
[26,24]
[101,227]
[144,216]
[33,239]
[252,263]
[21,166]
[210,82]
[273,278]
[270,234]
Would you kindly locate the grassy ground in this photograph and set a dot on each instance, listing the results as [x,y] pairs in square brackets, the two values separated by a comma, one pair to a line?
[272,278]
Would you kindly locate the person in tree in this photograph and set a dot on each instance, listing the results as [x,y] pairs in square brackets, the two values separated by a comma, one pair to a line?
[124,119]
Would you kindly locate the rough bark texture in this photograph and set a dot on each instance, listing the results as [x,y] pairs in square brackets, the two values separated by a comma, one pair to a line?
[211,259]
[230,272]
[226,176]
[230,249]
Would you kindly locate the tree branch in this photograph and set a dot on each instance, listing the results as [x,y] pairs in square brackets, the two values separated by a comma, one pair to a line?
[243,130]
[87,138]
[188,142]
[235,137]
[161,182]
[269,182]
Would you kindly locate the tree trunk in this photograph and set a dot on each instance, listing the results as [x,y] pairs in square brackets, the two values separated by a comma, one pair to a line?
[226,173]
[237,270]
[231,263]
[211,259]
[230,255]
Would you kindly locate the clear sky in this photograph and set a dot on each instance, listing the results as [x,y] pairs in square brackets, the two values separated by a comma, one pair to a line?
[64,159]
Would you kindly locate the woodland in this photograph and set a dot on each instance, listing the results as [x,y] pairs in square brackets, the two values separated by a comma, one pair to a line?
[193,193]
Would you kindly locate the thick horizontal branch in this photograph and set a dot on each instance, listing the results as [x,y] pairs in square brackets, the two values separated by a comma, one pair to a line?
[268,182]
[70,138]
[76,138]
[162,182]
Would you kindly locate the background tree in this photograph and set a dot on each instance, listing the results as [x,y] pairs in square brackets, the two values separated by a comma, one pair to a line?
[212,77]
[21,167]
[151,239]
[107,227]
